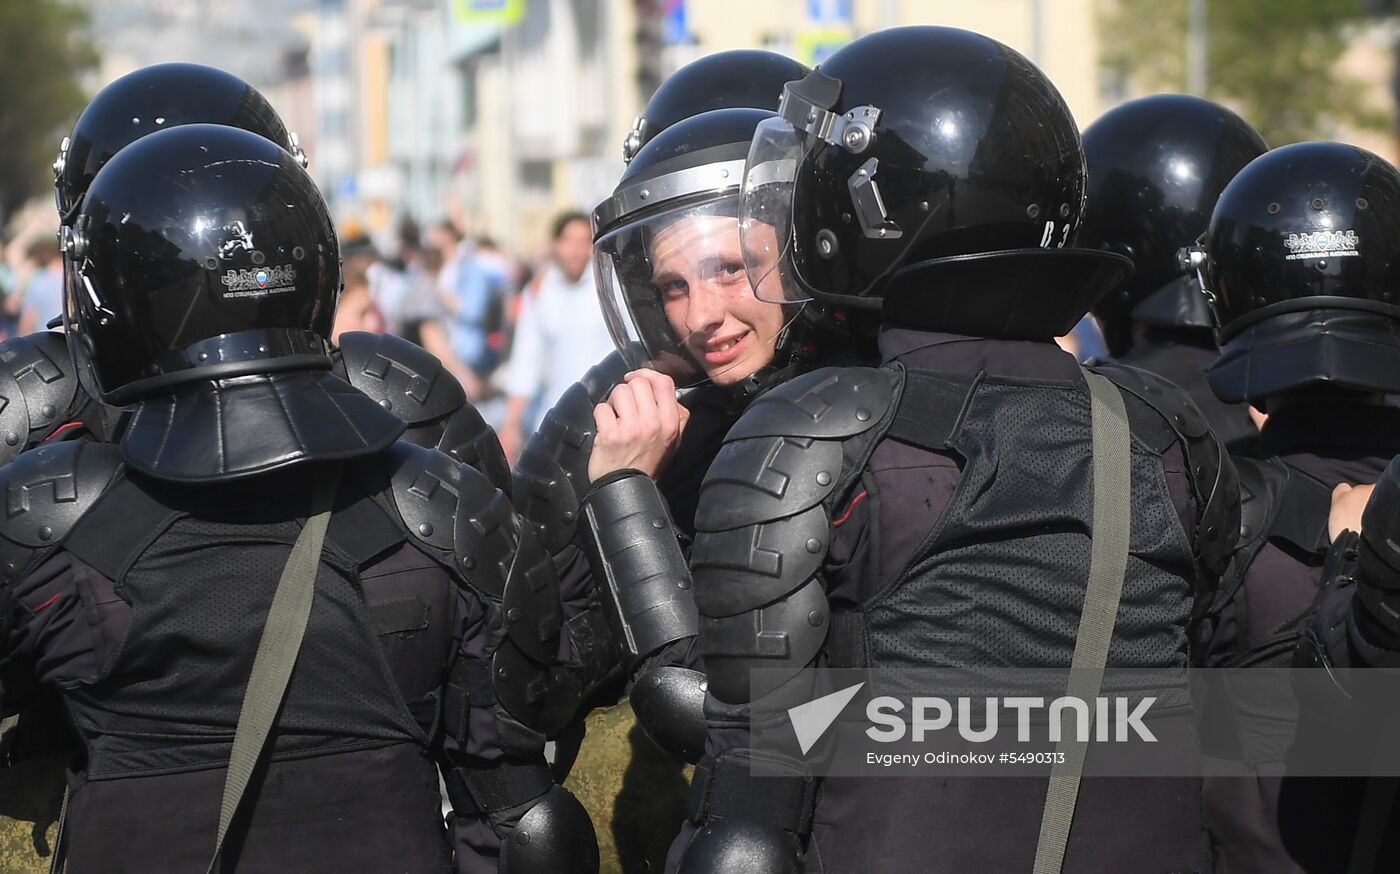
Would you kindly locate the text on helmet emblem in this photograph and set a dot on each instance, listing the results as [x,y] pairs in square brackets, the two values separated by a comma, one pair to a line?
[1332,244]
[262,282]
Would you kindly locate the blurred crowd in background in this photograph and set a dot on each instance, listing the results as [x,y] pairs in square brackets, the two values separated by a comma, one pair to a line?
[495,318]
[454,139]
[515,330]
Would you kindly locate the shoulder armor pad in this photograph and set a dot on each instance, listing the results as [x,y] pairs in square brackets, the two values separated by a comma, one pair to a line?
[1260,486]
[485,535]
[551,475]
[1212,473]
[744,568]
[1160,393]
[766,478]
[544,496]
[567,433]
[403,378]
[14,419]
[1219,528]
[530,598]
[503,562]
[38,390]
[46,491]
[467,438]
[426,485]
[830,404]
[783,637]
[600,379]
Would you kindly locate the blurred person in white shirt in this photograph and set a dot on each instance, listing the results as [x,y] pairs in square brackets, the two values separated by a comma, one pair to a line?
[560,333]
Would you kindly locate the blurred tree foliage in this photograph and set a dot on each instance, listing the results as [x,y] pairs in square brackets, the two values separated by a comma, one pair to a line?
[1276,62]
[43,54]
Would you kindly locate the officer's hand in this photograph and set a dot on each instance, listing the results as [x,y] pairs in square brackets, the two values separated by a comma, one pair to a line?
[1348,503]
[639,427]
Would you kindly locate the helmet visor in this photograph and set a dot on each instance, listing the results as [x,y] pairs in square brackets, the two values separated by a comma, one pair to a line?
[765,211]
[677,299]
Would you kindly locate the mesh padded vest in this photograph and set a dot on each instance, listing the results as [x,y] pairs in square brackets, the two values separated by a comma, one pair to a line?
[999,580]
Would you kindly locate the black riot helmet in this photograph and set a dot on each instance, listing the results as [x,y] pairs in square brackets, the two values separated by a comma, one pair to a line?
[735,79]
[930,171]
[156,98]
[670,265]
[200,252]
[1156,167]
[206,273]
[1302,265]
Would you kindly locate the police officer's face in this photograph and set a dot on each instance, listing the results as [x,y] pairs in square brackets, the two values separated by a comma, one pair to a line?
[698,270]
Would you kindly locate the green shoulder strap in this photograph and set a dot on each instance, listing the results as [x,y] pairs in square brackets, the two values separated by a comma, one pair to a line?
[277,654]
[1108,563]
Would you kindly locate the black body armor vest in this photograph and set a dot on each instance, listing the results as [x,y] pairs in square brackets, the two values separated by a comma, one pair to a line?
[998,581]
[1184,364]
[175,582]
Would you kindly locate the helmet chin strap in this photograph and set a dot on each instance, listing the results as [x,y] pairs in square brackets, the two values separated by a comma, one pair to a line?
[810,327]
[737,396]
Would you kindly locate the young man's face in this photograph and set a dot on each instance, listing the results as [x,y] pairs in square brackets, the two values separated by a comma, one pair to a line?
[573,249]
[698,271]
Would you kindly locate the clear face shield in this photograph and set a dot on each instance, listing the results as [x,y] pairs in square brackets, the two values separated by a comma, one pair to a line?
[767,200]
[677,299]
[765,210]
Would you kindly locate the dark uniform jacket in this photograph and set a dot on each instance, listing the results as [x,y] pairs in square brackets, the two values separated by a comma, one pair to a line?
[1266,823]
[147,616]
[1168,354]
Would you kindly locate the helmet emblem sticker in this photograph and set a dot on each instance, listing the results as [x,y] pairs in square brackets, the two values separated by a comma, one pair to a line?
[262,282]
[1321,244]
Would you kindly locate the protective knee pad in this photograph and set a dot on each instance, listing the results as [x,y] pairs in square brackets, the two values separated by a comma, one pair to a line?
[554,836]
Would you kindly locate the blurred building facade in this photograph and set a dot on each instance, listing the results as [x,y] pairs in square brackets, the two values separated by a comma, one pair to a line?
[499,113]
[233,36]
